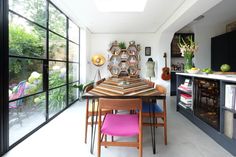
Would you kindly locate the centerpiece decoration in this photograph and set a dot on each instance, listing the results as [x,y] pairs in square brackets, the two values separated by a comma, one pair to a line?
[187,48]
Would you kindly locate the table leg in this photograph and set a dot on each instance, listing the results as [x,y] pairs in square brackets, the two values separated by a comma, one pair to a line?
[152,126]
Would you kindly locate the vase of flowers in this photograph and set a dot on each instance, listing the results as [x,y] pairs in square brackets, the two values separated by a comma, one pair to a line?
[187,48]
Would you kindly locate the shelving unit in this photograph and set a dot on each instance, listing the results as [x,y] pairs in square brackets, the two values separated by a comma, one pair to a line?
[124,62]
[184,89]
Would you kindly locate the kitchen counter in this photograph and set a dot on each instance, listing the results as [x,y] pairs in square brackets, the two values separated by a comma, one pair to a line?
[202,101]
[211,76]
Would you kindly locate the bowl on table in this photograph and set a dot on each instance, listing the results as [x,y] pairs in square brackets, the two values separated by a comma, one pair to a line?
[193,71]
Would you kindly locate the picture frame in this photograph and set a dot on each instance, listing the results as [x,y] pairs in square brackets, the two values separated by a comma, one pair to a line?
[147,51]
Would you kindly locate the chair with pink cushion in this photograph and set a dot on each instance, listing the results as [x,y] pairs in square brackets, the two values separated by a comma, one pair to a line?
[122,125]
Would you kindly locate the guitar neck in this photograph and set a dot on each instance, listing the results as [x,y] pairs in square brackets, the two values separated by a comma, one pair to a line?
[165,62]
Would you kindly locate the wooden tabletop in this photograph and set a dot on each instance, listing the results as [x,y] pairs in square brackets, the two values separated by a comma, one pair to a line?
[123,87]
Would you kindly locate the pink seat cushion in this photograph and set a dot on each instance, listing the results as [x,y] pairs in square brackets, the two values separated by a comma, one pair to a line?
[121,125]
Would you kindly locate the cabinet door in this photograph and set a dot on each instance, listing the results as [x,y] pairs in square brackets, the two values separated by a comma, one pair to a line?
[232,50]
[173,83]
[219,51]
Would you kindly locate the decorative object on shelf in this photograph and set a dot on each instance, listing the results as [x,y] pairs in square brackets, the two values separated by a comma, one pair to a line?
[165,71]
[150,64]
[115,49]
[124,62]
[98,60]
[122,45]
[147,51]
[187,49]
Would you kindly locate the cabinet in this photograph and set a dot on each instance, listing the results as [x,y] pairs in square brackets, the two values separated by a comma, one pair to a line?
[175,51]
[209,111]
[223,51]
[124,62]
[184,93]
[173,84]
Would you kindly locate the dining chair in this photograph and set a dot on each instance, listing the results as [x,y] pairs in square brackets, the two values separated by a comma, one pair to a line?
[92,110]
[150,83]
[122,125]
[159,113]
[17,106]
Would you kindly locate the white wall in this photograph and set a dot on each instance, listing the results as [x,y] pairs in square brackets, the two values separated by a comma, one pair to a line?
[203,35]
[100,43]
[159,41]
[213,24]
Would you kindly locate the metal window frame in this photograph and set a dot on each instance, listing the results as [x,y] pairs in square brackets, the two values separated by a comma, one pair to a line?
[4,72]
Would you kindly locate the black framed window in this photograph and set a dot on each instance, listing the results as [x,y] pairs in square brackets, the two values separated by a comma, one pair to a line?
[42,67]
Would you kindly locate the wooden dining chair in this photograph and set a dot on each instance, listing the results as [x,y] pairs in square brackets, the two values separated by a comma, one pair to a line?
[150,83]
[159,113]
[90,110]
[122,125]
[100,81]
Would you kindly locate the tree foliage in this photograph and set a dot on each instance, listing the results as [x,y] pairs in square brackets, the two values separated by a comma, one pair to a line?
[23,43]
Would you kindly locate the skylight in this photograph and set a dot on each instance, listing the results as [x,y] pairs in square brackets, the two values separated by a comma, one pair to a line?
[120,5]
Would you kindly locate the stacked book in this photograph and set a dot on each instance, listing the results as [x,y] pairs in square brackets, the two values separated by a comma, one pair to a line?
[186,99]
[186,86]
[230,96]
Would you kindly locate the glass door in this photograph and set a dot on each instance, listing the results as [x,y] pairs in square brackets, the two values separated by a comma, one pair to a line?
[27,62]
[43,65]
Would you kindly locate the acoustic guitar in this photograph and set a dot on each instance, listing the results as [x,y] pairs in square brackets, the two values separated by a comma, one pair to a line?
[165,71]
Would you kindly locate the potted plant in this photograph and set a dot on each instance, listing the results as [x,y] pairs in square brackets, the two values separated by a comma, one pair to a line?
[122,45]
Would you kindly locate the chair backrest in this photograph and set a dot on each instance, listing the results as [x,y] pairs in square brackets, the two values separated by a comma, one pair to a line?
[120,104]
[100,81]
[20,90]
[150,83]
[161,89]
[88,87]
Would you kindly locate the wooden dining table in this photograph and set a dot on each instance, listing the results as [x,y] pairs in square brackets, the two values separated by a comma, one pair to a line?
[124,88]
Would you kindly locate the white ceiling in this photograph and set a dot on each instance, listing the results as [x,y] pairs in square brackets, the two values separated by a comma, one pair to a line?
[222,13]
[155,14]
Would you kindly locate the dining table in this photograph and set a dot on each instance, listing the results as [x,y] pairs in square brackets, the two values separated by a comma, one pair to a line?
[122,88]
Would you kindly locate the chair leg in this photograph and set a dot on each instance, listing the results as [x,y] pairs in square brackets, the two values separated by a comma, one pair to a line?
[140,146]
[105,140]
[165,131]
[137,141]
[86,121]
[112,138]
[86,129]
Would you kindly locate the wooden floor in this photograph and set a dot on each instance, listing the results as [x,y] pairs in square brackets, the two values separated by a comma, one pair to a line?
[64,136]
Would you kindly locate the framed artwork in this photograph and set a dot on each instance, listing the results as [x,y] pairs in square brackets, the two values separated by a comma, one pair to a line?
[147,51]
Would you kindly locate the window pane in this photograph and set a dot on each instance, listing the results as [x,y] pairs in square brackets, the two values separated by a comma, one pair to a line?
[57,21]
[57,100]
[34,10]
[25,77]
[73,72]
[57,74]
[73,32]
[26,39]
[73,52]
[25,115]
[73,93]
[57,47]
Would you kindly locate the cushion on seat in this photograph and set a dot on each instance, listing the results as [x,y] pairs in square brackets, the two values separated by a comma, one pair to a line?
[156,107]
[121,125]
